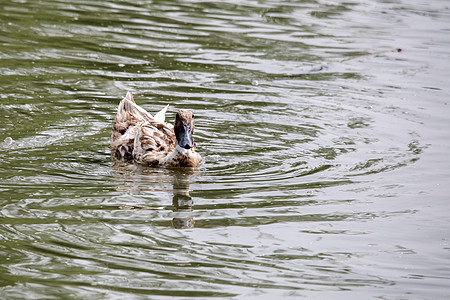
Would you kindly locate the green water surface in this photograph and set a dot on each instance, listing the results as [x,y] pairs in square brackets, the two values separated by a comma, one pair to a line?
[326,150]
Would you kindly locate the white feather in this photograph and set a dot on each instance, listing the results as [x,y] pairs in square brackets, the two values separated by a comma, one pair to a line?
[161,115]
[181,150]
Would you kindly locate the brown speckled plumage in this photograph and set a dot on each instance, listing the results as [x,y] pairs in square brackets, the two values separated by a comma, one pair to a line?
[139,137]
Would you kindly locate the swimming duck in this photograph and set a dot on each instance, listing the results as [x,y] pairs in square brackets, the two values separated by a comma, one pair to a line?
[140,137]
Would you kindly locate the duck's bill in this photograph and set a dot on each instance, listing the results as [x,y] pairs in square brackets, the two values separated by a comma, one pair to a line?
[185,139]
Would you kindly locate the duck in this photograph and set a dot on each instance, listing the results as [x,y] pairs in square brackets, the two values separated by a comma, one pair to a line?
[139,137]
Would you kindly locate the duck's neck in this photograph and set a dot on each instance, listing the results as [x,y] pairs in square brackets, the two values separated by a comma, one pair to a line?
[173,159]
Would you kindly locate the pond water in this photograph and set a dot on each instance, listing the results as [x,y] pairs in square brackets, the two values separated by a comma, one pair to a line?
[326,166]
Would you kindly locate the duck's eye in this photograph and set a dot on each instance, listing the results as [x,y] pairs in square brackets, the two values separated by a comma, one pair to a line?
[193,116]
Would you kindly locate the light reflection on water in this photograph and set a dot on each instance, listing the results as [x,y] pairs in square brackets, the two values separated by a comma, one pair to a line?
[325,170]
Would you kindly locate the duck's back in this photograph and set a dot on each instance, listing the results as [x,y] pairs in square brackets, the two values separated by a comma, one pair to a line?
[138,136]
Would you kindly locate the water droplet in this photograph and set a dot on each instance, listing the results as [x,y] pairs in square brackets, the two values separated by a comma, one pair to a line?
[8,141]
[255,82]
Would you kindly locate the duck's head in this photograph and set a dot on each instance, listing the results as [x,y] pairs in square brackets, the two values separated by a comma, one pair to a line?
[184,128]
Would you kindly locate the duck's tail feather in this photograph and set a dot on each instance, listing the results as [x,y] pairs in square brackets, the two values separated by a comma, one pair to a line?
[129,96]
[161,115]
[128,107]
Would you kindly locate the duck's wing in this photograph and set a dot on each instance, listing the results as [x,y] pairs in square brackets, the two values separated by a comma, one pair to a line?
[153,142]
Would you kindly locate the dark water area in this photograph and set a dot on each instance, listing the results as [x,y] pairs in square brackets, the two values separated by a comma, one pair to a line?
[326,168]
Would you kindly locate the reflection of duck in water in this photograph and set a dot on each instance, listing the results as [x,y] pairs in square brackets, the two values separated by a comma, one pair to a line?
[182,202]
[148,140]
[135,179]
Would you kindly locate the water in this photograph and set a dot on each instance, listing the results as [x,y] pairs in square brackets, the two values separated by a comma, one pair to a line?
[326,173]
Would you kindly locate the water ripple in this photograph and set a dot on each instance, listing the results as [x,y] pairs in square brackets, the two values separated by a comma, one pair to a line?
[311,149]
